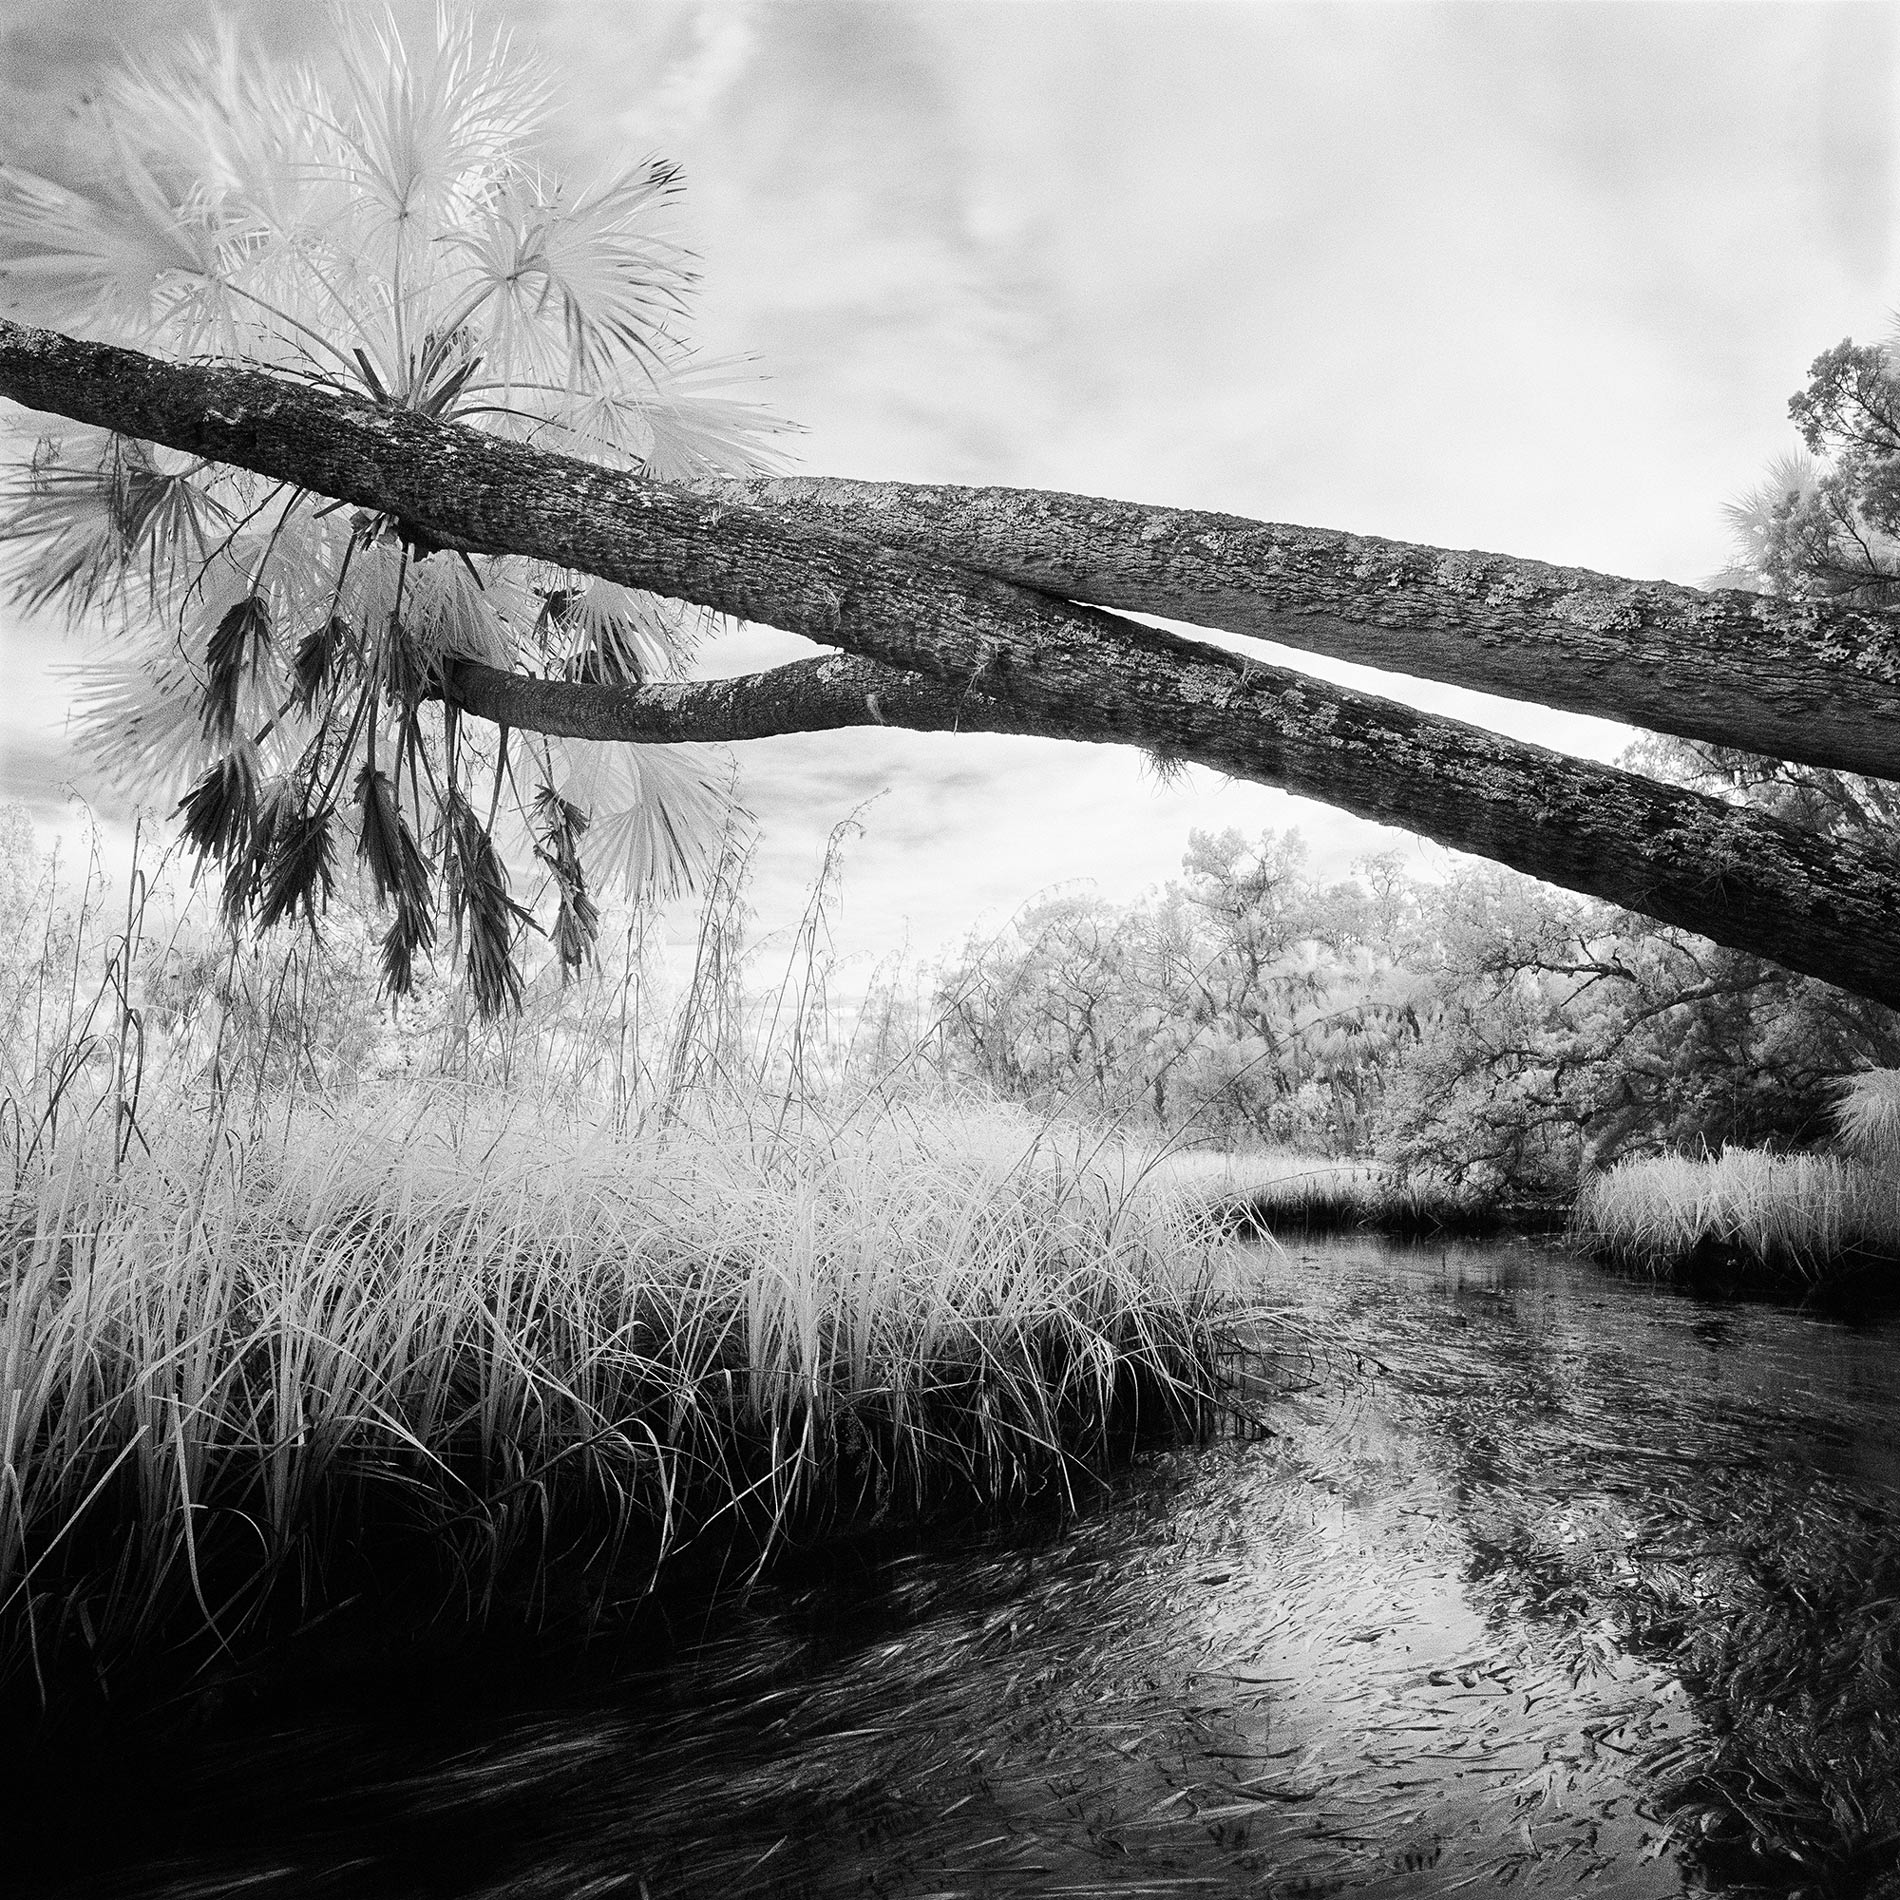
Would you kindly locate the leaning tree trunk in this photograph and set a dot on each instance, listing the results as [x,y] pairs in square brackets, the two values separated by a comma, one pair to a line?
[1728,872]
[1815,681]
[992,655]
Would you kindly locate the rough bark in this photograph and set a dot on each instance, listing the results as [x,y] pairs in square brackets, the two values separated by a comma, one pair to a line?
[996,655]
[1805,680]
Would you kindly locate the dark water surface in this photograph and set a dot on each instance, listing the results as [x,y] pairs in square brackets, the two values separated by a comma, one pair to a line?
[1425,1639]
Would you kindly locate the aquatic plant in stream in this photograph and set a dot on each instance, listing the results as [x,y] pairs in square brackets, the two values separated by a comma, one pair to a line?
[1794,1776]
[486,1341]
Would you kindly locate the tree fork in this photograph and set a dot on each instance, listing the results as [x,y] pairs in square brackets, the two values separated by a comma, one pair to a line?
[1813,681]
[994,651]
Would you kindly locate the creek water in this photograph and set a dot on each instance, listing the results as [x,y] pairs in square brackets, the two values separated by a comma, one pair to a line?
[1406,1643]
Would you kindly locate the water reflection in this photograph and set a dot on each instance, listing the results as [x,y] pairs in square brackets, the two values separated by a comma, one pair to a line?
[1397,1647]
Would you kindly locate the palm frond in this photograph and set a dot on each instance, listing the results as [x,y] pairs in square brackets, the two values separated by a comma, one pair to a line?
[451,607]
[423,138]
[386,230]
[136,721]
[572,286]
[490,920]
[91,515]
[97,264]
[656,812]
[1753,518]
[614,635]
[700,430]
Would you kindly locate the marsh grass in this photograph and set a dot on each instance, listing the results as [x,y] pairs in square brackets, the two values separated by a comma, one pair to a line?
[1867,1117]
[1804,1218]
[1274,1192]
[517,1340]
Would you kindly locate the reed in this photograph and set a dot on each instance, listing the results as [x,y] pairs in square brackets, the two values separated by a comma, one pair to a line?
[1802,1217]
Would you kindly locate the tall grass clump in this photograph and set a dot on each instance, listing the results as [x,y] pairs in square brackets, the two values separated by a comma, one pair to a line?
[1275,1191]
[519,1333]
[1800,1217]
[1867,1117]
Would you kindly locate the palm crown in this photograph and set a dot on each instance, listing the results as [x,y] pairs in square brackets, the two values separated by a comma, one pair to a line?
[276,657]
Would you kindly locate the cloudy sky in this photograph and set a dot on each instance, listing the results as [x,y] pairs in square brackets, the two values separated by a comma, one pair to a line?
[1534,278]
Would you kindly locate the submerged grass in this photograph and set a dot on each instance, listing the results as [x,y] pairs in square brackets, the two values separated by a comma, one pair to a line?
[446,1325]
[1806,1218]
[1792,1779]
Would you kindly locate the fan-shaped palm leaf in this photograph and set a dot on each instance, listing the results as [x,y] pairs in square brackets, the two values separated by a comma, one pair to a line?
[391,233]
[656,813]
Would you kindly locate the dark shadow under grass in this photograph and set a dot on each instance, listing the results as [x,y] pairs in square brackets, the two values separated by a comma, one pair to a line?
[1407,1219]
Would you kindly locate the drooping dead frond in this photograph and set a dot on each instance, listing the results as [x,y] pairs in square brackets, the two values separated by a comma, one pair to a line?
[489,919]
[220,810]
[400,875]
[318,655]
[231,655]
[396,864]
[295,868]
[559,826]
[411,934]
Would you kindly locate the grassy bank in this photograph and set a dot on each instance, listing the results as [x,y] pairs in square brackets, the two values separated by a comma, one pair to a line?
[1279,1193]
[1807,1219]
[442,1326]
[304,1304]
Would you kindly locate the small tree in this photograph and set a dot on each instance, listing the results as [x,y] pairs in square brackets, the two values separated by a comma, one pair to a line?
[277,658]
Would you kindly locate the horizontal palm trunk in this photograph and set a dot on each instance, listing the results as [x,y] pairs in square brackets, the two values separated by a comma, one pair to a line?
[991,655]
[1813,681]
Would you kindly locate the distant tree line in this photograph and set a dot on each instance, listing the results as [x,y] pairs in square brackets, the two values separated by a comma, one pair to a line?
[1499,1033]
